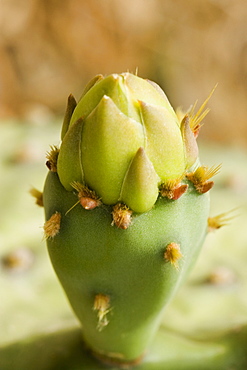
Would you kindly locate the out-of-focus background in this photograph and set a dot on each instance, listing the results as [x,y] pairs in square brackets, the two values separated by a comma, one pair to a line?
[51,48]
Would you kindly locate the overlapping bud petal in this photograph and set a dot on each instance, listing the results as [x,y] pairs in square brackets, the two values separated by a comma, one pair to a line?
[123,140]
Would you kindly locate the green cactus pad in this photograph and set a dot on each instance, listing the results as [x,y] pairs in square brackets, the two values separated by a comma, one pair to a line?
[90,257]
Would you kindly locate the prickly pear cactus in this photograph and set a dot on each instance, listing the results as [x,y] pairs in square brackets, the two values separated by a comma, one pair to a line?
[126,204]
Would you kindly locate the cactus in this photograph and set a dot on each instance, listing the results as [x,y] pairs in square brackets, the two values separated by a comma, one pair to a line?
[203,327]
[126,204]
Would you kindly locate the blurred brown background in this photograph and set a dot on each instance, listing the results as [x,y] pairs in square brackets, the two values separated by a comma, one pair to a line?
[50,48]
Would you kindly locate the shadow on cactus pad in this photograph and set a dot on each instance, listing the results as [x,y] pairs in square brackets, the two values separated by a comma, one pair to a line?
[65,350]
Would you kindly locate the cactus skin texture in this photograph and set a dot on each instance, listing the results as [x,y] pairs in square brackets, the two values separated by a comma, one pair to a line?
[119,270]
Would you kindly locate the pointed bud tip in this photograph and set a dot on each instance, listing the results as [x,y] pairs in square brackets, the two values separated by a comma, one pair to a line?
[140,186]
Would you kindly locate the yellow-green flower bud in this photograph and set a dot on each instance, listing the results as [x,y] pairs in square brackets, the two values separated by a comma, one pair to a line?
[123,140]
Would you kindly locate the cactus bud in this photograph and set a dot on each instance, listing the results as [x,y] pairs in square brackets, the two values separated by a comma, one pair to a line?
[114,118]
[125,214]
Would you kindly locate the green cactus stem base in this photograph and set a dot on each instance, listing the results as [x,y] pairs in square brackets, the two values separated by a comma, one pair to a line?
[118,281]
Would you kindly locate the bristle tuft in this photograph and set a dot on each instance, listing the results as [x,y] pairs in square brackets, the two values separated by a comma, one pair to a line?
[38,195]
[122,216]
[51,157]
[87,197]
[216,222]
[52,226]
[102,306]
[196,118]
[173,254]
[200,177]
[173,189]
